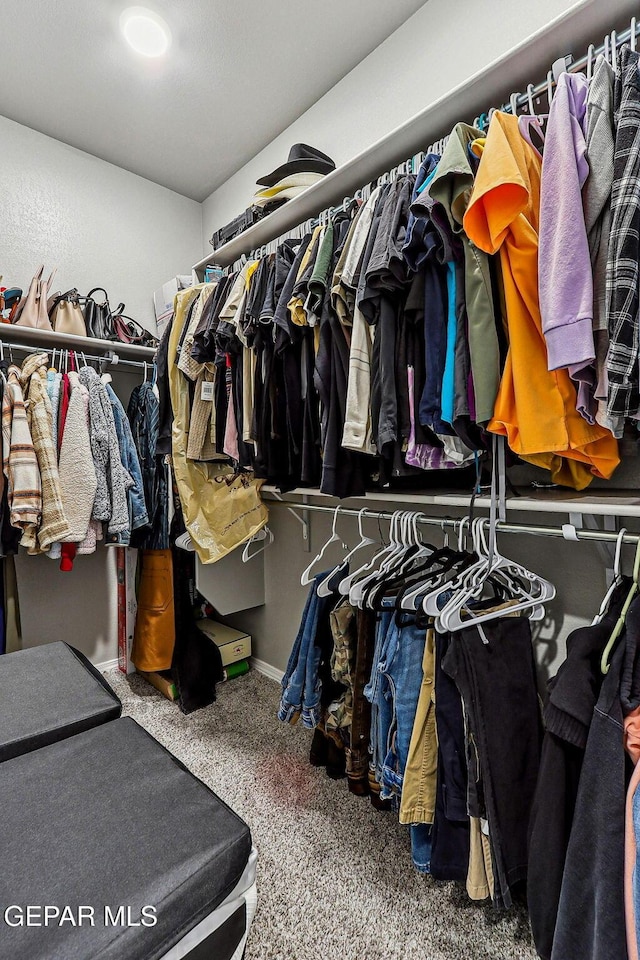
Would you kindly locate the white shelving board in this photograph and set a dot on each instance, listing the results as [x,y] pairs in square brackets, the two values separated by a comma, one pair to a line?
[615,503]
[12,333]
[588,21]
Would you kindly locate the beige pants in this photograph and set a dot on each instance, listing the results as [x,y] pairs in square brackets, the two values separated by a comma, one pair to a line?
[418,801]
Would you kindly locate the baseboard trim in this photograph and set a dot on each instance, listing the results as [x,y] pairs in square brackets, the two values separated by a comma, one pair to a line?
[265,668]
[107,665]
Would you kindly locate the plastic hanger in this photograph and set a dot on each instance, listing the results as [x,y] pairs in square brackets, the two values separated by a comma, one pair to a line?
[617,577]
[307,576]
[379,563]
[617,630]
[263,537]
[345,585]
[364,542]
[590,55]
[633,34]
[405,565]
[532,589]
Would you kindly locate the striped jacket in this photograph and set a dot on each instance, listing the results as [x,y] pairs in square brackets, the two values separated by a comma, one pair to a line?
[623,259]
[19,462]
[53,526]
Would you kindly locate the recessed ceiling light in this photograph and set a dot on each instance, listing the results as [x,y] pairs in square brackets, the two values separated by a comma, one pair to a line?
[145,31]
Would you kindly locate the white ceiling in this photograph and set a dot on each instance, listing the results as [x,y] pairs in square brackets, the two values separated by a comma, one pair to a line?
[237,74]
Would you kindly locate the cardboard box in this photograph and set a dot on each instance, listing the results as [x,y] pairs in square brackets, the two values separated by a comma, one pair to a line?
[233,644]
[161,681]
[163,300]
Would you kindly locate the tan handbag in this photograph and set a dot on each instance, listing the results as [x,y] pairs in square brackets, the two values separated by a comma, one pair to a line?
[34,311]
[67,316]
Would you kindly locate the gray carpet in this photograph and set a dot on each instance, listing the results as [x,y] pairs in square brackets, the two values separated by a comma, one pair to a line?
[335,879]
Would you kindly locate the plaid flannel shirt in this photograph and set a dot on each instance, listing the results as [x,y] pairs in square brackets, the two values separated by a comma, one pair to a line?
[623,262]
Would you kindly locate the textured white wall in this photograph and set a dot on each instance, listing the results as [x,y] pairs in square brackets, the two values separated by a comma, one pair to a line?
[441,46]
[100,225]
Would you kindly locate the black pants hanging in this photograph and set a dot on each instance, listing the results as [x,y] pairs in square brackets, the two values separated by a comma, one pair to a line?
[497,681]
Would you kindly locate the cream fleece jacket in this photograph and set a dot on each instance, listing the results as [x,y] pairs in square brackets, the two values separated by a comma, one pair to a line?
[77,470]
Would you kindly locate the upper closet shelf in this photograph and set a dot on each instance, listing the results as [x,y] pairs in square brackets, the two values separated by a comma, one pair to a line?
[571,31]
[47,339]
[617,503]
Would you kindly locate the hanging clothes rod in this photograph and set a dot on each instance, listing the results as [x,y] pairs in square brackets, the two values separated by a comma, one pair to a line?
[112,359]
[517,99]
[612,42]
[449,523]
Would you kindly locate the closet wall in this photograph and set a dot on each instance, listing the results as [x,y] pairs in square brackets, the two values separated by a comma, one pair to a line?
[100,225]
[433,52]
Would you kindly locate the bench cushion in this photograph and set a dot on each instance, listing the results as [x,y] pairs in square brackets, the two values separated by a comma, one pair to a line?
[48,693]
[110,818]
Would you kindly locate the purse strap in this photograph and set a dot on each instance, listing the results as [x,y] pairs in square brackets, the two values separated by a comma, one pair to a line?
[99,290]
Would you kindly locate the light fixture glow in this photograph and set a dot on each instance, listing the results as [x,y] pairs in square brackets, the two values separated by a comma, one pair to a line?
[145,31]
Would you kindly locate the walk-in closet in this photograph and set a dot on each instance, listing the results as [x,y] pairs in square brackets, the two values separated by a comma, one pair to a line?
[320,487]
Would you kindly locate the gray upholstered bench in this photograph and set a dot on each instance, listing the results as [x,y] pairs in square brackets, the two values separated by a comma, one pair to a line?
[112,849]
[48,693]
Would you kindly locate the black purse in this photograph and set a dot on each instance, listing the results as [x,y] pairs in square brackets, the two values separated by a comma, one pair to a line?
[98,316]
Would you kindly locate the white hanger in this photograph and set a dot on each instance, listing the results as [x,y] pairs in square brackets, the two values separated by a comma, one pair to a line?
[379,563]
[394,565]
[513,103]
[549,87]
[364,542]
[532,111]
[264,537]
[307,576]
[617,576]
[590,54]
[614,48]
[632,34]
[402,562]
[540,590]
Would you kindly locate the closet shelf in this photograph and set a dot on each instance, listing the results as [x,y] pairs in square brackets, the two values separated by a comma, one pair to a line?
[10,333]
[571,31]
[617,503]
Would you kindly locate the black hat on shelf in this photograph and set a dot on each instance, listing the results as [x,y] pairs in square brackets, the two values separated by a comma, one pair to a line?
[302,159]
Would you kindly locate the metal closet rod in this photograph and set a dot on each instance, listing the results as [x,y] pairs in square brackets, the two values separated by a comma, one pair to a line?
[444,523]
[521,99]
[105,358]
[614,38]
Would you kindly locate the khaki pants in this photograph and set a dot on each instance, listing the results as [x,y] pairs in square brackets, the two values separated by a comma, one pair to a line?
[418,801]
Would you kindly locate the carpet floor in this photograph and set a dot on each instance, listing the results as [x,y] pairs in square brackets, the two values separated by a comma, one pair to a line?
[335,880]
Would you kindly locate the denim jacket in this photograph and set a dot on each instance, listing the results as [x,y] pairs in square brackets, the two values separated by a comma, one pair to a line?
[135,495]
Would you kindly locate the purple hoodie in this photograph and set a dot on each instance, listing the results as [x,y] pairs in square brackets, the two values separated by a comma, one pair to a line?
[565,280]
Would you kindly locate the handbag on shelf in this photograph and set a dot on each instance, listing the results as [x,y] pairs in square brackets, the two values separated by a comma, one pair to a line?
[66,314]
[32,310]
[129,330]
[98,316]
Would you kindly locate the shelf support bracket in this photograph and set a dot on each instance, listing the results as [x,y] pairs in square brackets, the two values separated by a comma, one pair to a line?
[303,520]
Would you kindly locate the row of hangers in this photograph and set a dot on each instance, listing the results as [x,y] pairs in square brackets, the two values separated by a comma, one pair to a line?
[457,587]
[466,586]
[63,359]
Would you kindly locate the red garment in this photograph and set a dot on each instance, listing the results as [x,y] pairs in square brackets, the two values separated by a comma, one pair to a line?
[65,394]
[68,556]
